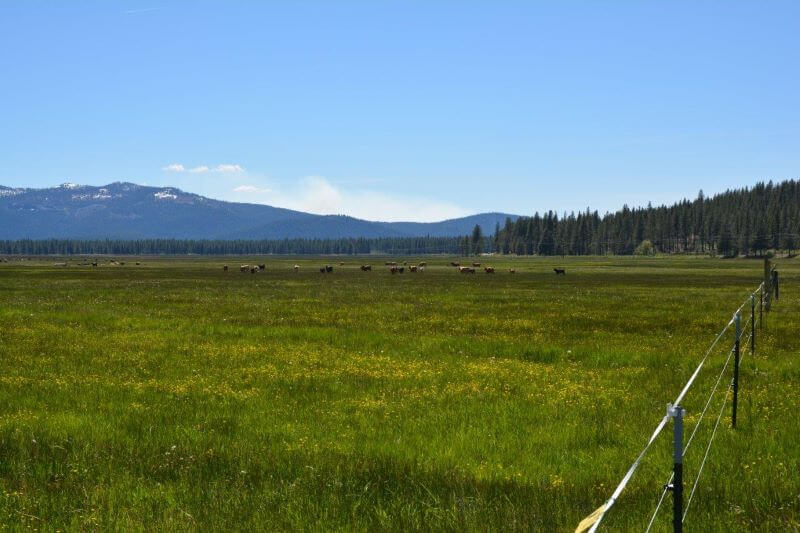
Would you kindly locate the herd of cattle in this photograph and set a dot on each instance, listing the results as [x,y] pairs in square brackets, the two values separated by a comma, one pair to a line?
[393,268]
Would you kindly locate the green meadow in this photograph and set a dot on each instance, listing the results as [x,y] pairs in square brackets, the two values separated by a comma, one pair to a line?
[173,395]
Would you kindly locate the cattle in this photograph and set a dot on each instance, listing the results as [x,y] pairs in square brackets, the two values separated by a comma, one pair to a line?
[423,263]
[297,268]
[512,271]
[322,269]
[253,270]
[466,270]
[412,268]
[60,264]
[328,268]
[453,263]
[422,269]
[489,270]
[561,271]
[391,263]
[122,263]
[244,268]
[405,263]
[476,264]
[401,269]
[341,264]
[224,267]
[262,266]
[393,269]
[94,264]
[138,263]
[366,268]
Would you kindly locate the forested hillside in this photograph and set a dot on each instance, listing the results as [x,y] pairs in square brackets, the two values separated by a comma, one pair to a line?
[738,222]
[742,221]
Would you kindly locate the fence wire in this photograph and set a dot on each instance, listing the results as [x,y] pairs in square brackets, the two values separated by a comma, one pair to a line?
[593,521]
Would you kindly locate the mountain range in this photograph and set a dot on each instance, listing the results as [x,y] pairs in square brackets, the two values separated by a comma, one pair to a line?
[130,211]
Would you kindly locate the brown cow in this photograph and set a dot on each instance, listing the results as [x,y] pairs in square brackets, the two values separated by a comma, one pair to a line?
[423,263]
[297,268]
[489,270]
[253,270]
[365,268]
[244,268]
[328,268]
[561,271]
[453,263]
[466,270]
[262,267]
[322,269]
[512,271]
[412,268]
[138,263]
[225,267]
[476,264]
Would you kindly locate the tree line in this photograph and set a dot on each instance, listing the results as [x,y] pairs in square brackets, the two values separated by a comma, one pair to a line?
[737,222]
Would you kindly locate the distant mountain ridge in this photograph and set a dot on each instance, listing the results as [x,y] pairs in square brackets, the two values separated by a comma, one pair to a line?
[124,210]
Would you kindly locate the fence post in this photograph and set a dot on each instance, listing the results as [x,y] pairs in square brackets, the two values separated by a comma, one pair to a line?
[752,324]
[775,282]
[677,412]
[767,283]
[738,321]
[761,307]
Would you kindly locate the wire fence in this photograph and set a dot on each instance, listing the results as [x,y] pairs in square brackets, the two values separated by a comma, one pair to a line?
[758,301]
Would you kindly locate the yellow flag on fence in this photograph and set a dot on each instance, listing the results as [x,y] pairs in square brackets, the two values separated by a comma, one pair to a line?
[590,520]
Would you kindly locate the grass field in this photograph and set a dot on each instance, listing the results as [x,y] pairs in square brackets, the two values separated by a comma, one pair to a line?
[175,396]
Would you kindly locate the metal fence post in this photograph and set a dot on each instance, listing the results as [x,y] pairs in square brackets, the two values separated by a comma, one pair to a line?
[738,320]
[677,413]
[775,282]
[752,324]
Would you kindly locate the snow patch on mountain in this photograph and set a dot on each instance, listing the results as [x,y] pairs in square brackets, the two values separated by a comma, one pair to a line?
[165,195]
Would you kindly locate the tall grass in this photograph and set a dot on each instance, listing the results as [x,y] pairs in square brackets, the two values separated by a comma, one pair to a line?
[173,395]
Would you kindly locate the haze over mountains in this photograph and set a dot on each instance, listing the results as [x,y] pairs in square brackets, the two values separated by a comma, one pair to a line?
[130,211]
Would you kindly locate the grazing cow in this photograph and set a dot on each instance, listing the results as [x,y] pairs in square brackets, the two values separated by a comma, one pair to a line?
[391,263]
[94,264]
[253,270]
[466,270]
[322,269]
[512,271]
[412,268]
[225,267]
[297,268]
[476,264]
[341,264]
[60,264]
[365,268]
[422,269]
[393,269]
[561,271]
[453,263]
[262,267]
[489,270]
[122,263]
[328,268]
[138,263]
[423,263]
[244,268]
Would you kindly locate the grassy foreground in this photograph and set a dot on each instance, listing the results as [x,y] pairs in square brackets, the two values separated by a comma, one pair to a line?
[175,396]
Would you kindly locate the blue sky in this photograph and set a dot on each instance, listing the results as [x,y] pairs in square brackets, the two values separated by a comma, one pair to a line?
[403,110]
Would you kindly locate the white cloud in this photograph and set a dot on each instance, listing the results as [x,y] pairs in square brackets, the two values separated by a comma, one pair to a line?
[251,188]
[229,169]
[317,195]
[202,169]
